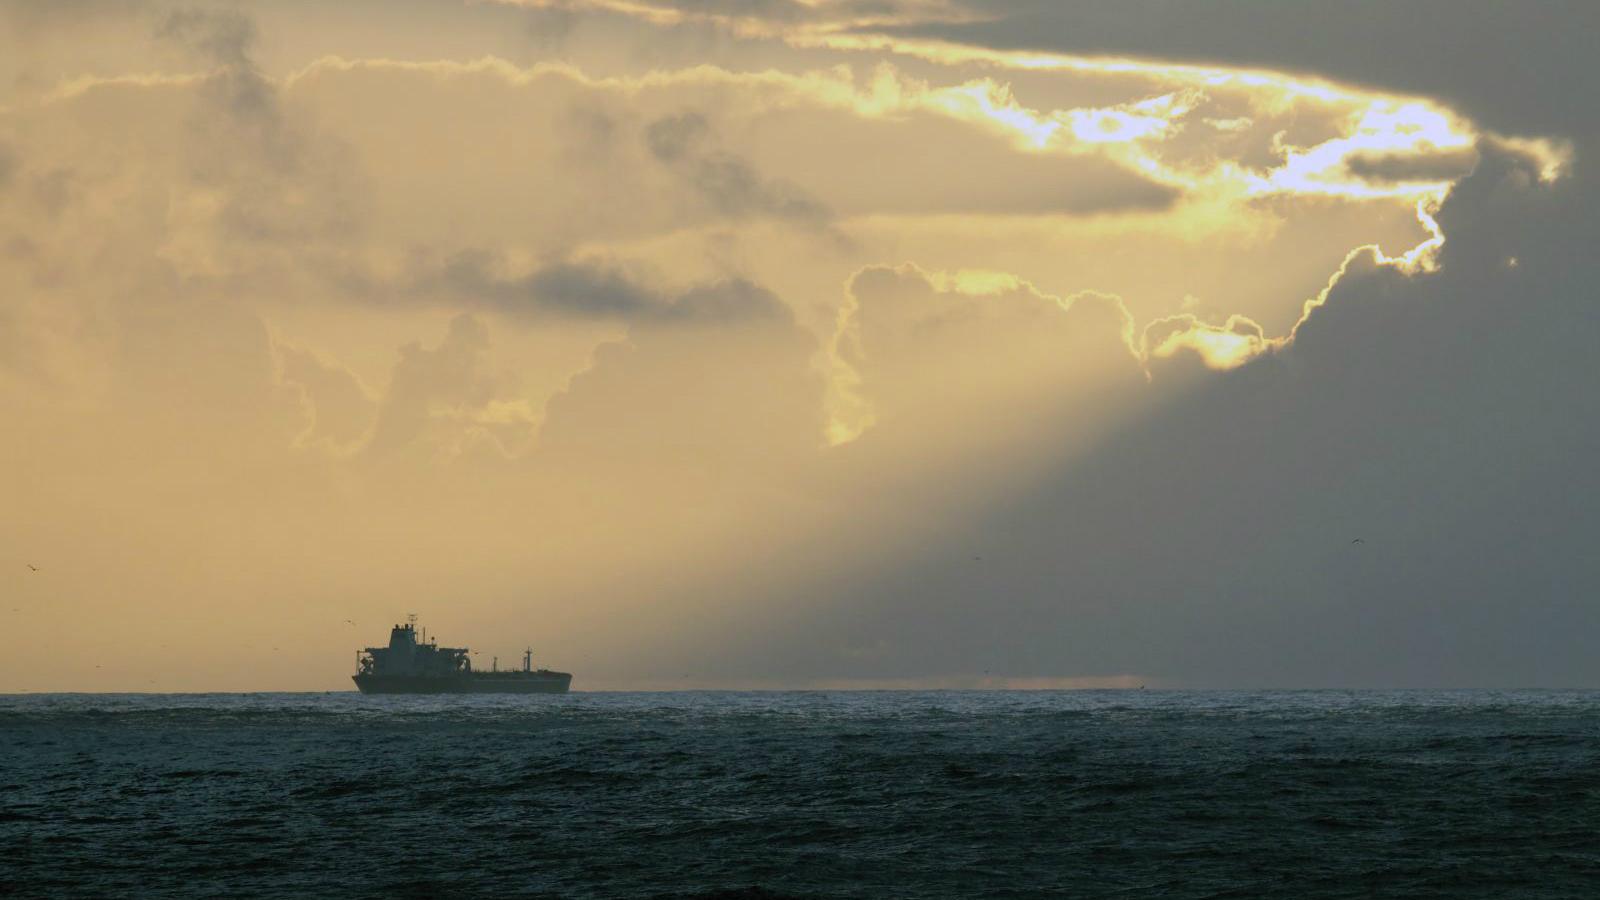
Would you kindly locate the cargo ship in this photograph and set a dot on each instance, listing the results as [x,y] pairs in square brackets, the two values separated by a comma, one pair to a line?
[412,666]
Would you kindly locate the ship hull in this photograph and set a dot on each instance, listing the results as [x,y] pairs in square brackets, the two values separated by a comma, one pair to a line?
[476,683]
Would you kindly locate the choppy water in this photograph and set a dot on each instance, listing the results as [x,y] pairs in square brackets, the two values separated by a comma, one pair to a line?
[1123,794]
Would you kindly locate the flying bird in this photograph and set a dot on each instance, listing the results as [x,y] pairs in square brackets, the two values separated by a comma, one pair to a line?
[348,622]
[1358,541]
[32,567]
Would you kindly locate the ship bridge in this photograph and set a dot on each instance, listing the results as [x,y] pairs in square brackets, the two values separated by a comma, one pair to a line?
[407,655]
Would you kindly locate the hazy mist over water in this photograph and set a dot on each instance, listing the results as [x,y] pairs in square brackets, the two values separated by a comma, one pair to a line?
[825,794]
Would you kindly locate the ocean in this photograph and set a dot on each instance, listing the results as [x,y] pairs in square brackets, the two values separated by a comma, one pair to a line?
[827,794]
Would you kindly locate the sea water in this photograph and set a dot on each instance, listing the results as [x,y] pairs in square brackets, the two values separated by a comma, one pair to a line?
[828,794]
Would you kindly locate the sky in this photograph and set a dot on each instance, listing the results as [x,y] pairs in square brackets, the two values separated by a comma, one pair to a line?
[801,343]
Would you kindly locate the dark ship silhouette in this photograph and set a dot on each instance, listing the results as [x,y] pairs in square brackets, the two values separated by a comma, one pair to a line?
[410,666]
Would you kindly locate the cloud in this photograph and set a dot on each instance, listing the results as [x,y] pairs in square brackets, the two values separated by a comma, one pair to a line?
[973,352]
[325,175]
[443,402]
[342,410]
[671,137]
[227,39]
[256,172]
[731,301]
[748,18]
[591,290]
[728,183]
[1444,166]
[902,164]
[1414,49]
[1446,417]
[606,285]
[1225,346]
[437,396]
[578,289]
[1204,65]
[675,406]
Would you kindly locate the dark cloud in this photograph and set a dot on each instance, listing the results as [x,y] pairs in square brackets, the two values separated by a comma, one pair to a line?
[595,291]
[1475,54]
[772,10]
[735,189]
[279,182]
[224,36]
[227,39]
[1450,420]
[1392,168]
[670,138]
[728,184]
[584,290]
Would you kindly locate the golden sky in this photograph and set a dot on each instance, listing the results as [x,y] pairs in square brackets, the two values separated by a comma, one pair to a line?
[791,343]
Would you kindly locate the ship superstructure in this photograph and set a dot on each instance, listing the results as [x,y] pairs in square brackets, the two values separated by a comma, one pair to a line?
[410,665]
